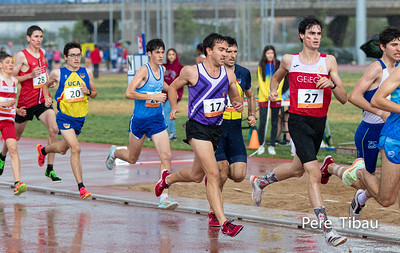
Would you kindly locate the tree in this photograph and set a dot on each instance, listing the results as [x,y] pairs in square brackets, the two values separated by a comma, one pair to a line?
[80,32]
[65,33]
[186,28]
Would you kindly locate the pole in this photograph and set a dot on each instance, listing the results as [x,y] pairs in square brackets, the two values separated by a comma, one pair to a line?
[170,16]
[361,29]
[123,19]
[216,16]
[271,29]
[111,23]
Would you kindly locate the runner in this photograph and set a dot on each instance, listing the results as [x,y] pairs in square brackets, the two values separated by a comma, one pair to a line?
[147,119]
[367,134]
[8,93]
[208,83]
[386,189]
[313,77]
[75,86]
[231,153]
[30,70]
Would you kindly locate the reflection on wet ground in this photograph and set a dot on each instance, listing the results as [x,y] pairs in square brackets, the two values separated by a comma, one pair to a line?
[39,222]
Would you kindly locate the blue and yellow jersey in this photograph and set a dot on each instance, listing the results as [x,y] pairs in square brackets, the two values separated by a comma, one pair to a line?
[264,85]
[243,82]
[70,98]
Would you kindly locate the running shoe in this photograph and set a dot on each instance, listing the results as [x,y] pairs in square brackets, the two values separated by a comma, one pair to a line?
[332,238]
[2,166]
[84,194]
[162,183]
[212,220]
[53,176]
[41,158]
[168,203]
[355,207]
[260,150]
[19,188]
[324,169]
[230,229]
[257,190]
[350,174]
[110,161]
[172,137]
[271,150]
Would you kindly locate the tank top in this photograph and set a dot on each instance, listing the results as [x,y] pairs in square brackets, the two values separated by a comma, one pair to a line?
[207,99]
[370,117]
[305,98]
[7,92]
[31,93]
[149,108]
[70,98]
[392,125]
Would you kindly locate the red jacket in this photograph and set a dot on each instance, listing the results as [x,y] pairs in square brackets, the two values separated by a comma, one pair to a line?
[95,56]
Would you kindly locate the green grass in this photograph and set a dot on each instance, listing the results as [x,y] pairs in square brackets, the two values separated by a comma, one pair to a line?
[111,126]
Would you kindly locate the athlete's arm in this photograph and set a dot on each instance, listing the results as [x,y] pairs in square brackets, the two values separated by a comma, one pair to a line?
[380,101]
[233,92]
[53,78]
[339,92]
[186,77]
[138,81]
[278,76]
[370,80]
[20,60]
[92,92]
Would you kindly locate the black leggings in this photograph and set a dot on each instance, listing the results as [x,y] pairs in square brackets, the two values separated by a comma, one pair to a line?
[274,124]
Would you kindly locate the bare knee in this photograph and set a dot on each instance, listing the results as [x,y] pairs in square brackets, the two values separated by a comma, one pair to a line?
[197,178]
[13,150]
[298,173]
[387,201]
[238,177]
[75,150]
[165,156]
[53,133]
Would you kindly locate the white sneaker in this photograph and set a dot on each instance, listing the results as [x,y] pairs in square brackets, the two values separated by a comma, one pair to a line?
[261,150]
[271,150]
[110,161]
[257,190]
[172,137]
[334,239]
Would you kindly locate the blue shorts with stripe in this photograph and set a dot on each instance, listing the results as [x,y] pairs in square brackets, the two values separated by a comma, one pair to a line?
[391,148]
[149,126]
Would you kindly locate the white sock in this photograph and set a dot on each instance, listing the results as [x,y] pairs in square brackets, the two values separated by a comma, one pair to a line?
[112,154]
[163,197]
[337,170]
[362,198]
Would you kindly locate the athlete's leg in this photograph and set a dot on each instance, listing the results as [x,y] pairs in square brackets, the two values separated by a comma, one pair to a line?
[19,129]
[15,162]
[313,176]
[237,171]
[223,167]
[71,140]
[338,171]
[161,142]
[48,118]
[131,155]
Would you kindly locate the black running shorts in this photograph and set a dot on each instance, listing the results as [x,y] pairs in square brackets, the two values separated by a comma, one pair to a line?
[199,131]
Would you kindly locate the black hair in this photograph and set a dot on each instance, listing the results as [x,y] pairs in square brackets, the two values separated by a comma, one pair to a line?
[33,28]
[154,44]
[388,34]
[200,47]
[231,41]
[210,40]
[71,45]
[4,56]
[263,60]
[307,23]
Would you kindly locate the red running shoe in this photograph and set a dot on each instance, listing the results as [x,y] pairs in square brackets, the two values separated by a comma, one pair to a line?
[41,158]
[212,220]
[162,183]
[324,169]
[228,228]
[84,194]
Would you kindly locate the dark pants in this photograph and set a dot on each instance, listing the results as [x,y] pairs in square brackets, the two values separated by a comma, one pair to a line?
[96,70]
[274,124]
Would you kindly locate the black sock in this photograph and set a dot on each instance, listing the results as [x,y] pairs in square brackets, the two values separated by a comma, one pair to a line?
[2,157]
[44,151]
[49,168]
[15,183]
[80,185]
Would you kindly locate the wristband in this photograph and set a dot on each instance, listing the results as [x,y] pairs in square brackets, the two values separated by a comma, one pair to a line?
[90,92]
[334,86]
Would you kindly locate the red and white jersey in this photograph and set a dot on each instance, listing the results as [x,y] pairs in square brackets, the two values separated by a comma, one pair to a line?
[305,98]
[8,91]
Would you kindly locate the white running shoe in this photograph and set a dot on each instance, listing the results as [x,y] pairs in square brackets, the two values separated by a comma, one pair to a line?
[168,203]
[257,190]
[355,207]
[260,150]
[271,150]
[334,239]
[110,161]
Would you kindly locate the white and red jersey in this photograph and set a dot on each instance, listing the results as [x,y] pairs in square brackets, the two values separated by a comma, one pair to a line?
[31,93]
[8,91]
[305,97]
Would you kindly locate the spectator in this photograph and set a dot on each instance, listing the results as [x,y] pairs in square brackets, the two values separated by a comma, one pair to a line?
[95,57]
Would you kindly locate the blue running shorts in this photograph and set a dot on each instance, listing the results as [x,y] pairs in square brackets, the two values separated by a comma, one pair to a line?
[149,126]
[65,122]
[391,148]
[231,145]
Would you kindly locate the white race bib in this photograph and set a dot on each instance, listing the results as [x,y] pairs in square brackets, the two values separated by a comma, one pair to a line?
[74,94]
[39,81]
[152,102]
[310,98]
[213,107]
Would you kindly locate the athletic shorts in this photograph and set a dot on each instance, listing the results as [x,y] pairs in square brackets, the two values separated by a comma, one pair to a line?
[65,122]
[199,131]
[391,148]
[7,129]
[306,133]
[231,145]
[36,110]
[149,126]
[366,139]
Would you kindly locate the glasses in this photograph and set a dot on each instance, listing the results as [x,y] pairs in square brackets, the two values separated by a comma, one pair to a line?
[75,55]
